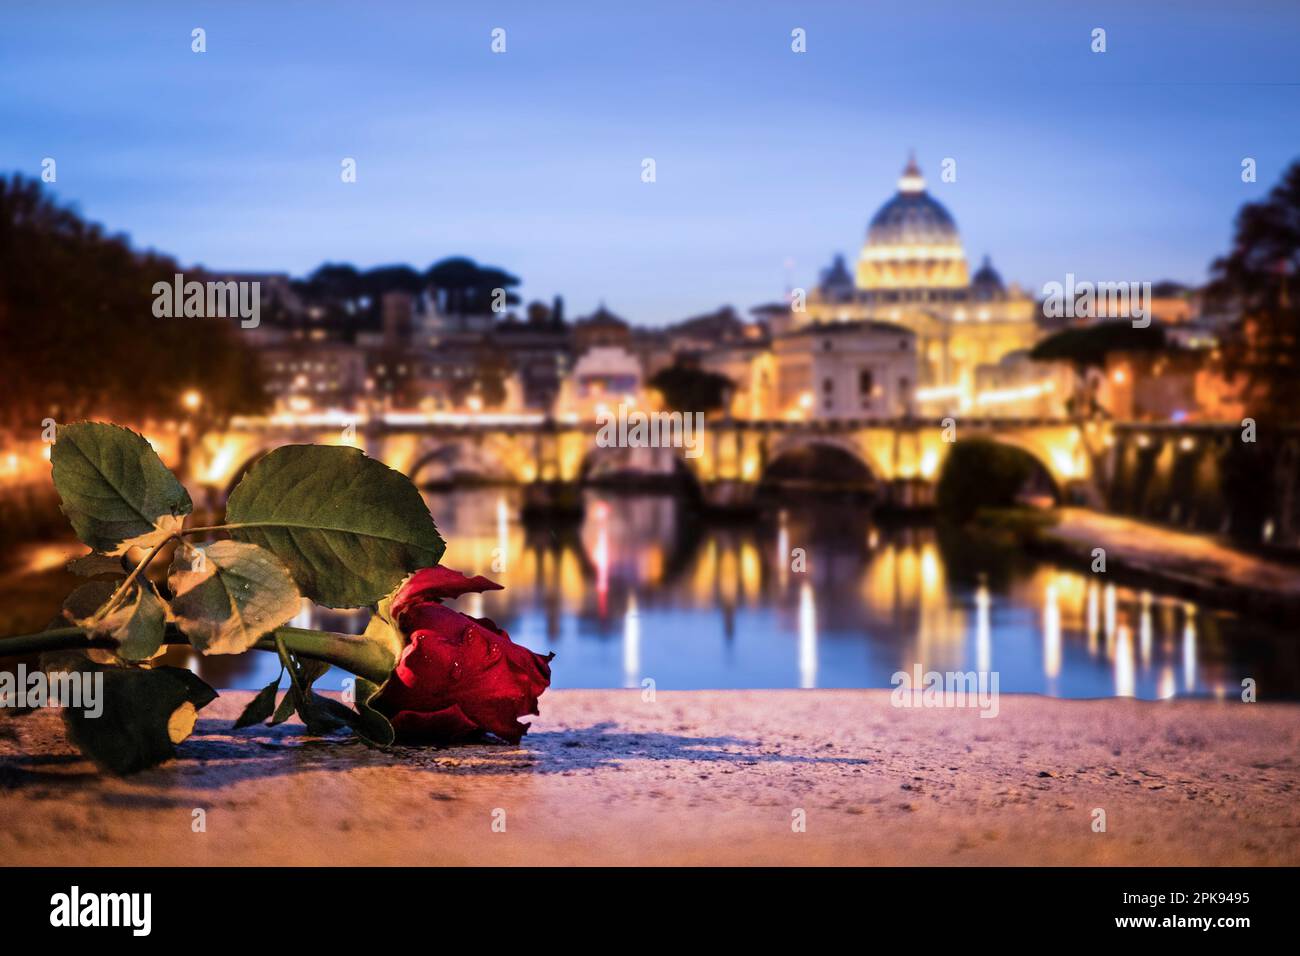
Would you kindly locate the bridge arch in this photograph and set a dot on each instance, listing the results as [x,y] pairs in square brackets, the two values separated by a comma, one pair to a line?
[819,462]
[1043,478]
[483,459]
[636,465]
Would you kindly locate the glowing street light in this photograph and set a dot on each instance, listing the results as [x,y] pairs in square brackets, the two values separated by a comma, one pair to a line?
[191,400]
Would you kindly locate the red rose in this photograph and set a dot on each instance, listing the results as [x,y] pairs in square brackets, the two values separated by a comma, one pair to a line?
[458,676]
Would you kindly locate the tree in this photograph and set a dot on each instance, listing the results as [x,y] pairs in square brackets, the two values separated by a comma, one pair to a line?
[465,288]
[689,389]
[80,337]
[1089,346]
[1257,282]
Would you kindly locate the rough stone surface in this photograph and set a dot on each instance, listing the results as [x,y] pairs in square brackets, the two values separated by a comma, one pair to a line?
[693,778]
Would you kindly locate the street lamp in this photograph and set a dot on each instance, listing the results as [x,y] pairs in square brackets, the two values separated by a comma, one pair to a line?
[191,400]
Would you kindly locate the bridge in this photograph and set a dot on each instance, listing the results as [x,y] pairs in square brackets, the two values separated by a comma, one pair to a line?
[900,459]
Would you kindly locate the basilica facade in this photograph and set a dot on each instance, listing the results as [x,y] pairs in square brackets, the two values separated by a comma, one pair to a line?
[912,272]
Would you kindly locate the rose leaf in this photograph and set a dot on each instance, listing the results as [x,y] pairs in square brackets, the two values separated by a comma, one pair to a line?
[93,564]
[114,488]
[138,715]
[312,708]
[138,624]
[234,595]
[370,724]
[348,527]
[262,706]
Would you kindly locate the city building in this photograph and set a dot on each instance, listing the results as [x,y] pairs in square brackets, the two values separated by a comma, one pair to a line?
[540,351]
[306,375]
[849,369]
[751,367]
[1179,385]
[1018,387]
[603,376]
[912,272]
[601,328]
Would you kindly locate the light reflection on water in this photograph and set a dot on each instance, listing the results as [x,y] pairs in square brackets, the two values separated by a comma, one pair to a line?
[640,589]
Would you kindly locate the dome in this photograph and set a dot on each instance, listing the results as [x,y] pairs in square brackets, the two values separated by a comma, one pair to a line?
[912,242]
[986,283]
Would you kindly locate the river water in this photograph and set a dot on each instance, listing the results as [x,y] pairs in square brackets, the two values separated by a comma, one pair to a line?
[816,595]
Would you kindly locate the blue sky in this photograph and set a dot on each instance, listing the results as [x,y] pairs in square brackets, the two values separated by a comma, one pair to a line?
[1122,165]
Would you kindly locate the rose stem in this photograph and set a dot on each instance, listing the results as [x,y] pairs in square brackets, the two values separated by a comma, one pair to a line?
[349,651]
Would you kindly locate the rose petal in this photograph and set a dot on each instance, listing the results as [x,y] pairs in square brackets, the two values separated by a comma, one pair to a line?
[441,726]
[458,675]
[435,584]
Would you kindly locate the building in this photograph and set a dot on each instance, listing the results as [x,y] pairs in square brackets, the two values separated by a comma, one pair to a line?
[1180,385]
[603,376]
[540,351]
[307,375]
[839,370]
[601,328]
[749,364]
[1019,387]
[694,336]
[912,272]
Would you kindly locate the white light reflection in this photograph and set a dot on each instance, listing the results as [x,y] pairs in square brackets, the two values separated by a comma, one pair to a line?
[601,556]
[983,642]
[1094,616]
[631,644]
[304,616]
[1144,628]
[807,637]
[782,551]
[1110,618]
[1051,635]
[1189,648]
[1167,687]
[503,535]
[1125,667]
[474,604]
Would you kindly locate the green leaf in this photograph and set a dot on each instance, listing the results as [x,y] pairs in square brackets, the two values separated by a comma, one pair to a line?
[145,713]
[233,594]
[93,564]
[382,629]
[114,488]
[348,528]
[319,718]
[138,623]
[288,706]
[87,598]
[262,706]
[370,724]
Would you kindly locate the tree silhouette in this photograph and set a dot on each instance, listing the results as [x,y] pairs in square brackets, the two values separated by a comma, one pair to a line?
[689,389]
[1257,282]
[80,336]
